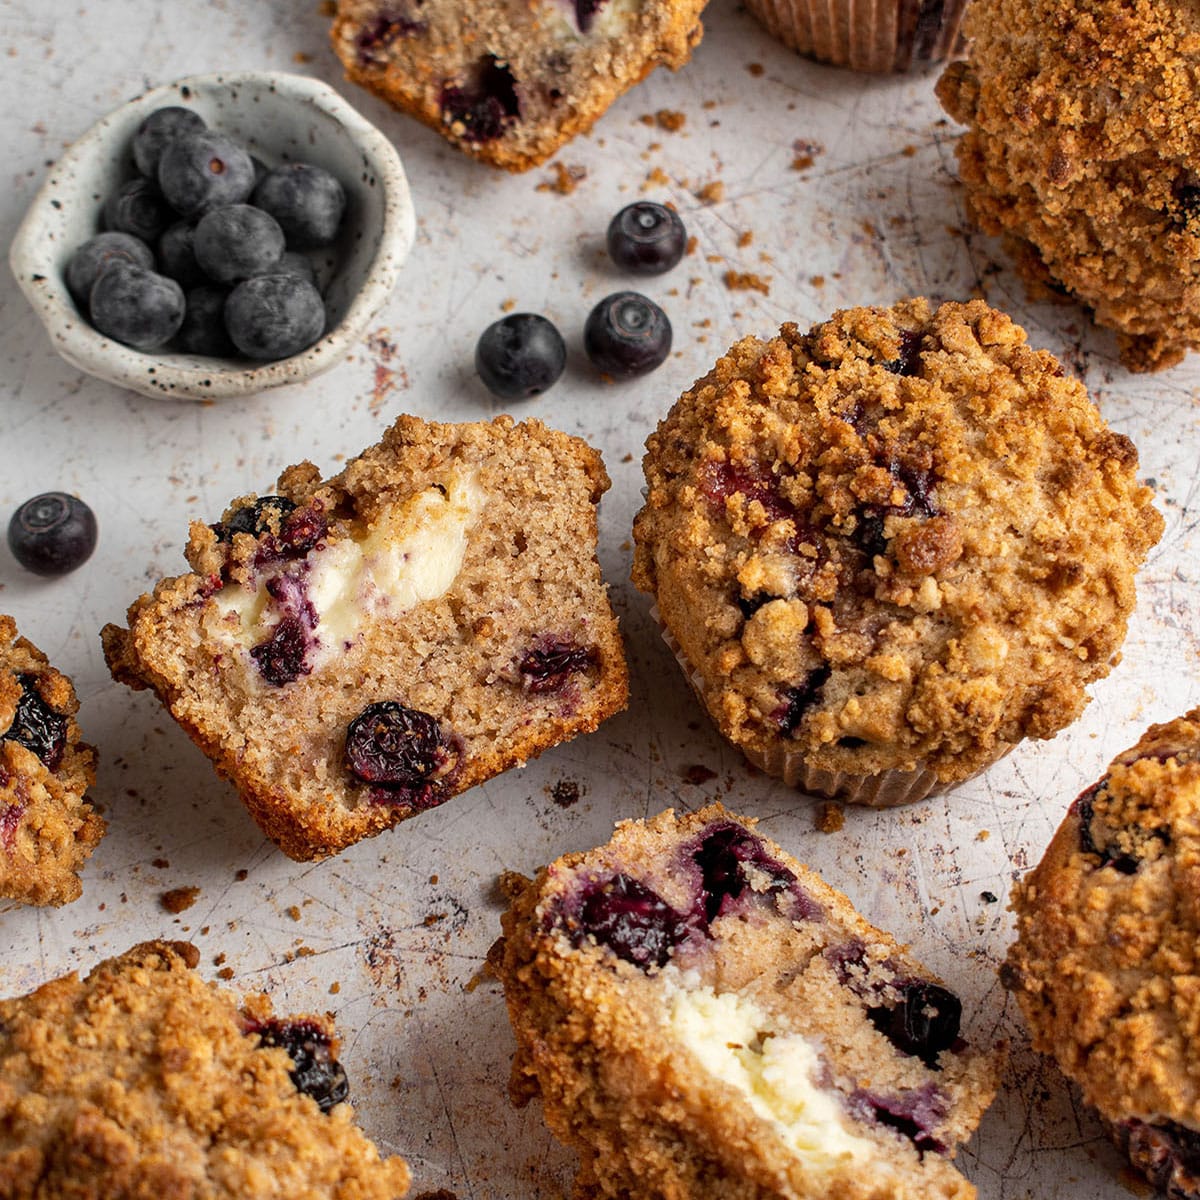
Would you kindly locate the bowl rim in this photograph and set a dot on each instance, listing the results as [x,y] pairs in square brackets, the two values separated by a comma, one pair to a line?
[187,376]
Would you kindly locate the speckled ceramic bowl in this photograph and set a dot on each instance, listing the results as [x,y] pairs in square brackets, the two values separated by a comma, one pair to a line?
[276,117]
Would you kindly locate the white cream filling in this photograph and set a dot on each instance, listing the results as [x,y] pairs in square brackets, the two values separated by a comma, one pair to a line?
[735,1041]
[411,554]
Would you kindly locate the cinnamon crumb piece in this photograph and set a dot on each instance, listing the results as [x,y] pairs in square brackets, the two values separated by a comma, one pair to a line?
[692,243]
[302,56]
[161,863]
[293,911]
[909,151]
[646,118]
[178,900]
[566,179]
[508,305]
[334,988]
[745,238]
[830,817]
[714,258]
[657,178]
[225,973]
[305,952]
[802,162]
[817,281]
[711,193]
[242,876]
[747,281]
[756,69]
[670,120]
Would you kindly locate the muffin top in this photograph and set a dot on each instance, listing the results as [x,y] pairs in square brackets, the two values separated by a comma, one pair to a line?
[904,538]
[1107,962]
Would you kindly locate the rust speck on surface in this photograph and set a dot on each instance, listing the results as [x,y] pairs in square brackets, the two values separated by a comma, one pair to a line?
[565,793]
[698,774]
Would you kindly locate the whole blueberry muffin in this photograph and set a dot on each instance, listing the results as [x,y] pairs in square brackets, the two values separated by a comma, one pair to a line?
[866,35]
[703,1017]
[47,825]
[890,548]
[353,651]
[509,81]
[1105,963]
[1083,149]
[143,1080]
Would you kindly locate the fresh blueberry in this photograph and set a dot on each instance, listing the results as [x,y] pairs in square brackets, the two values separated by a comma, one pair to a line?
[393,746]
[265,514]
[547,666]
[626,334]
[722,857]
[296,264]
[274,316]
[633,921]
[177,256]
[924,1023]
[137,207]
[315,1071]
[482,109]
[136,306]
[307,202]
[36,726]
[646,238]
[520,355]
[52,534]
[97,254]
[203,330]
[203,171]
[163,125]
[237,242]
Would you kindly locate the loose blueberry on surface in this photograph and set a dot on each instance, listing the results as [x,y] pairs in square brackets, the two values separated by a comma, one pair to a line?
[485,107]
[177,256]
[924,1023]
[646,238]
[163,125]
[520,355]
[626,335]
[52,534]
[390,745]
[274,316]
[633,921]
[307,201]
[203,330]
[722,858]
[97,254]
[799,699]
[315,1071]
[548,666]
[199,172]
[237,242]
[138,208]
[36,726]
[137,307]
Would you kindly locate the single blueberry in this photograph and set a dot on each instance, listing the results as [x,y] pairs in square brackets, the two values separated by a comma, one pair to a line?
[296,264]
[722,857]
[307,201]
[646,238]
[924,1023]
[203,330]
[163,125]
[626,334]
[315,1071]
[265,514]
[547,666]
[520,355]
[274,316]
[237,242]
[52,534]
[632,920]
[281,657]
[390,745]
[135,306]
[137,207]
[202,171]
[36,726]
[177,256]
[97,254]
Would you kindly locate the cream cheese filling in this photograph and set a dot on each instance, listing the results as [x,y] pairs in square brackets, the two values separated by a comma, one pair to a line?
[738,1043]
[411,554]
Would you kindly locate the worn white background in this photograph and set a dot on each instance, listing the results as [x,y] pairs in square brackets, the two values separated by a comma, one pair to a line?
[399,925]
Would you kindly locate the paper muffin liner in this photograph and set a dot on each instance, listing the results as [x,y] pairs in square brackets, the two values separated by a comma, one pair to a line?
[885,789]
[866,35]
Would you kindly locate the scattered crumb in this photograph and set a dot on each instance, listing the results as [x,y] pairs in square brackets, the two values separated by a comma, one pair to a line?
[161,863]
[434,917]
[983,835]
[817,281]
[293,911]
[802,162]
[225,973]
[709,104]
[669,120]
[714,258]
[711,193]
[909,151]
[626,546]
[628,457]
[830,817]
[302,56]
[219,960]
[508,305]
[433,881]
[179,900]
[565,793]
[747,281]
[869,229]
[305,952]
[989,897]
[692,243]
[745,238]
[242,876]
[657,178]
[698,774]
[566,179]
[646,118]
[334,988]
[756,69]
[480,976]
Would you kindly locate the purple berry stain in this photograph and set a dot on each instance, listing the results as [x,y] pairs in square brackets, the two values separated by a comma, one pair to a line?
[723,856]
[633,921]
[914,1115]
[486,105]
[549,664]
[282,657]
[36,726]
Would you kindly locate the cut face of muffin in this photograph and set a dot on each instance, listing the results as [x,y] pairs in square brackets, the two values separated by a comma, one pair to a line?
[354,651]
[142,1080]
[902,541]
[47,827]
[704,1017]
[509,81]
[1104,966]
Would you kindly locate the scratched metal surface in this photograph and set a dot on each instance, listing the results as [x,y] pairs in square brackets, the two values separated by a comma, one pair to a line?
[392,934]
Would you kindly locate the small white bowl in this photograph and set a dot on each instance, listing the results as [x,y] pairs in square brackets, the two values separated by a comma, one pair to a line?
[276,117]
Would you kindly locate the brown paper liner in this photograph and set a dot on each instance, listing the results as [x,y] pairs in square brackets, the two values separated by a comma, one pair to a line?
[866,35]
[886,789]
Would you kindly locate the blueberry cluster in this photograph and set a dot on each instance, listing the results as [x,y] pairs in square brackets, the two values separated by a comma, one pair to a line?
[625,335]
[203,249]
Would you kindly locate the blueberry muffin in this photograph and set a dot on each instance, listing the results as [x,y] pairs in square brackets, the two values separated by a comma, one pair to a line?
[509,81]
[866,35]
[705,1018]
[142,1080]
[47,825]
[353,651]
[1105,962]
[1083,149]
[890,548]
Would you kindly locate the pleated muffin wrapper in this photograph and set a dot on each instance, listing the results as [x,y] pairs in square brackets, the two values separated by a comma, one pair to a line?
[878,36]
[886,789]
